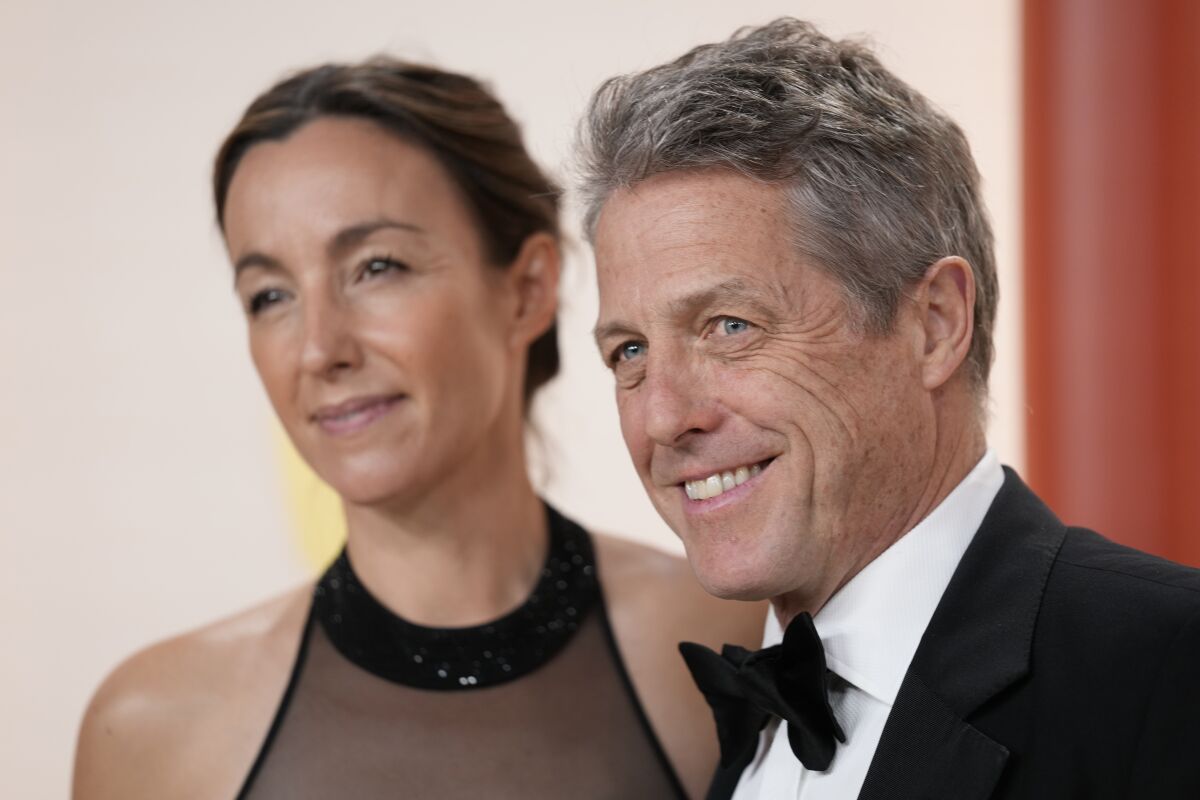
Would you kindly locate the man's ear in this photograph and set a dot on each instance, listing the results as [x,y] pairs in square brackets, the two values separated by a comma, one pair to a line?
[533,279]
[946,304]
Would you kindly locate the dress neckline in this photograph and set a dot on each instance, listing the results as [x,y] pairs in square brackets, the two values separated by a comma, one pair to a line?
[374,638]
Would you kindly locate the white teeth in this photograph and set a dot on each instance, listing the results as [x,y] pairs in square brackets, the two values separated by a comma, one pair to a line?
[720,482]
[713,485]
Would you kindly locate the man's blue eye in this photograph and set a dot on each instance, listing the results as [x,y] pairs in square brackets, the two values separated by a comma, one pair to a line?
[732,325]
[630,350]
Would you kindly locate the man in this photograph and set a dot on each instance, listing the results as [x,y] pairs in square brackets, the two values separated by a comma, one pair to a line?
[797,295]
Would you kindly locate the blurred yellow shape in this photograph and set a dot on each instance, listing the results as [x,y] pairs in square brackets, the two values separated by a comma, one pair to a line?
[319,526]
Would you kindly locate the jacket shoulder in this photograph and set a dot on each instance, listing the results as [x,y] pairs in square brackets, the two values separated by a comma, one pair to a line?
[1086,557]
[1144,623]
[1107,706]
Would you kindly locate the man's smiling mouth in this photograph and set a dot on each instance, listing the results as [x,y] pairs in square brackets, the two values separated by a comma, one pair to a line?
[720,482]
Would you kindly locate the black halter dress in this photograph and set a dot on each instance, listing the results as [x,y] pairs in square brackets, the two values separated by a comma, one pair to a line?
[536,704]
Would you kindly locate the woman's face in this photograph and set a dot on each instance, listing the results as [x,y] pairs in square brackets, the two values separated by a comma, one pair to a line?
[389,347]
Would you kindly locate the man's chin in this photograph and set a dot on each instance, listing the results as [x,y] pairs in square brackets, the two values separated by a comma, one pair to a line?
[738,592]
[732,580]
[727,562]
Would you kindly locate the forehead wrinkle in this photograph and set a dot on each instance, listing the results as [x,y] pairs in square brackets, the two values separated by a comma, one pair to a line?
[737,289]
[675,231]
[673,224]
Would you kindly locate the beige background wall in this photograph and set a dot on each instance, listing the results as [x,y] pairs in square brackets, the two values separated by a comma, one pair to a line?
[140,489]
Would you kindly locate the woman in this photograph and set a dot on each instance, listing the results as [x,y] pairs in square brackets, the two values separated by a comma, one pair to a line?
[396,252]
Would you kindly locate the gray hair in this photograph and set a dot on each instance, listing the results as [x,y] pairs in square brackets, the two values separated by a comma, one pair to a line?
[881,182]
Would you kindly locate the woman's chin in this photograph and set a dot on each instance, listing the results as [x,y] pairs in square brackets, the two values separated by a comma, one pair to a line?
[363,485]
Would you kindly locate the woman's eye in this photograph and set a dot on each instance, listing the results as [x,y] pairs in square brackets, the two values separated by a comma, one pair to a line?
[378,266]
[730,326]
[263,299]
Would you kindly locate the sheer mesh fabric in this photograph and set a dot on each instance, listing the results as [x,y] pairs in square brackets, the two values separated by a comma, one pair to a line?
[570,728]
[567,730]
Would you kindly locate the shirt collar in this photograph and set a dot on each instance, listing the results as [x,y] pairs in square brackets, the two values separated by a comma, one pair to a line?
[871,627]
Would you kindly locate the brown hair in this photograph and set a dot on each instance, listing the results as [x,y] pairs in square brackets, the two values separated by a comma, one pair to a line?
[452,116]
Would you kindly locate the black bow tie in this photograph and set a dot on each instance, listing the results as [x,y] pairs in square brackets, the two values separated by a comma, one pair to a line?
[789,681]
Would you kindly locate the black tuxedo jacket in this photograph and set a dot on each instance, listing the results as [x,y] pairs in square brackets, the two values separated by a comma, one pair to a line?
[1057,665]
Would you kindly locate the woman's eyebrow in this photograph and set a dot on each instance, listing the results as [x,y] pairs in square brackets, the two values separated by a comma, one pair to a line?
[341,241]
[350,236]
[255,259]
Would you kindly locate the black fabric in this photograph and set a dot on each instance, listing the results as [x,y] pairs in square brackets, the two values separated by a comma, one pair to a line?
[563,721]
[788,680]
[1058,665]
[374,638]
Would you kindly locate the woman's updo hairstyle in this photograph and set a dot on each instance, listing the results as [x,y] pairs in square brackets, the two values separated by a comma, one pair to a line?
[450,115]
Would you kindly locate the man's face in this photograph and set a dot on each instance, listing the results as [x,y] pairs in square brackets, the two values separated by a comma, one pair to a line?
[733,358]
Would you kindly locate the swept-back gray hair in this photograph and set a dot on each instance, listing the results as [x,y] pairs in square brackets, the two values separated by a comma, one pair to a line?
[881,182]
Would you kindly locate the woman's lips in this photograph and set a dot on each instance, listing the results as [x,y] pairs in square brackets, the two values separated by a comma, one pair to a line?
[353,415]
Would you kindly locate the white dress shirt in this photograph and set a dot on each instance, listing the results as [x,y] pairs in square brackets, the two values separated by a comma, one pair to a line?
[870,630]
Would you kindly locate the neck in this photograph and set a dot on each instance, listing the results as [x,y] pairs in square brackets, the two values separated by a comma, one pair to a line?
[468,551]
[954,456]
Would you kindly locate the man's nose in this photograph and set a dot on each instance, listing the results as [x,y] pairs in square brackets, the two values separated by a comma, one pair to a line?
[678,403]
[329,345]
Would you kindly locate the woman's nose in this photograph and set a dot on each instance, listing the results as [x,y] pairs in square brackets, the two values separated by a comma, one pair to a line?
[330,345]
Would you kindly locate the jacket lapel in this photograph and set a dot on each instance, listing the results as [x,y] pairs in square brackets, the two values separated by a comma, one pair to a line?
[977,644]
[725,781]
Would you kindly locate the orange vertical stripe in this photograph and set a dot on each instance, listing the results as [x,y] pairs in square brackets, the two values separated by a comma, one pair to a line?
[1112,266]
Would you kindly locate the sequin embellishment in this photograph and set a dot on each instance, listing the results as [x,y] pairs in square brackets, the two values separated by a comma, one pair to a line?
[456,659]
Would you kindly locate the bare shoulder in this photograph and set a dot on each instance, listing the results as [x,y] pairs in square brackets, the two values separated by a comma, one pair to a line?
[660,589]
[185,717]
[654,602]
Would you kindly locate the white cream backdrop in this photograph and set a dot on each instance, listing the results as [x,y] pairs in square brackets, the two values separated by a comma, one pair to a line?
[142,489]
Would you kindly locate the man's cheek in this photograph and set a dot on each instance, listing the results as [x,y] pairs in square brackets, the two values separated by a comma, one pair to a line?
[634,434]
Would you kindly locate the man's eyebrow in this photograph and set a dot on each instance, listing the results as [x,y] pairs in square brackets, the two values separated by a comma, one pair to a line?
[341,241]
[736,290]
[615,327]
